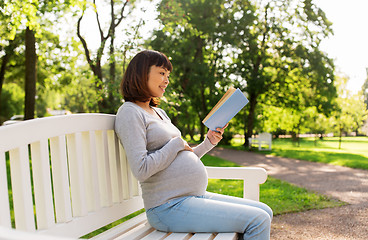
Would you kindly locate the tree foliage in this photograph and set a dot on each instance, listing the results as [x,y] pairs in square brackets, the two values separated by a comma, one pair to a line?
[25,26]
[365,90]
[196,35]
[281,60]
[270,49]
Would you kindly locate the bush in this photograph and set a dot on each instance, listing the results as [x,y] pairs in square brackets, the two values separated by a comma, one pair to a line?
[11,100]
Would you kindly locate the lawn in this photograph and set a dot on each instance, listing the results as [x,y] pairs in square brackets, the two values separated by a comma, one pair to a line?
[353,152]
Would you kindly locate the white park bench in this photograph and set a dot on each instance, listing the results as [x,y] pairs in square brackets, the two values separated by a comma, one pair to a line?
[65,176]
[262,139]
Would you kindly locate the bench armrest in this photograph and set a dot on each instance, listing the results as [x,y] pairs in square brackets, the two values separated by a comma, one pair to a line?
[252,177]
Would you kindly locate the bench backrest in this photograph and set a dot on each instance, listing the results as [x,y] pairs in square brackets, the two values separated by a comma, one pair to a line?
[265,136]
[64,175]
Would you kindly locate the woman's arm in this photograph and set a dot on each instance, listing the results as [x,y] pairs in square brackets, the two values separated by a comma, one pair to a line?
[209,142]
[203,148]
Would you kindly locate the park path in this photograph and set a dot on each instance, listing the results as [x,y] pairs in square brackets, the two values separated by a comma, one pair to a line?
[342,183]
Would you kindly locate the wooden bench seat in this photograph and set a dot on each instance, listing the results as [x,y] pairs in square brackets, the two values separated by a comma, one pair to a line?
[63,177]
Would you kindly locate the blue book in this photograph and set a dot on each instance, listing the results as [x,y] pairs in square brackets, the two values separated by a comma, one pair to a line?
[228,106]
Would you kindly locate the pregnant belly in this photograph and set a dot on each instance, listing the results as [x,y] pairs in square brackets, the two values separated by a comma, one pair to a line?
[187,162]
[186,172]
[186,176]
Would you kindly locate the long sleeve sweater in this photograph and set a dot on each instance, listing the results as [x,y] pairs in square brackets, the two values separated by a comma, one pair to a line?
[156,155]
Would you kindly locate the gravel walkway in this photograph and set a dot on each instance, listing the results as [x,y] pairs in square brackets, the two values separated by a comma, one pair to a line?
[342,183]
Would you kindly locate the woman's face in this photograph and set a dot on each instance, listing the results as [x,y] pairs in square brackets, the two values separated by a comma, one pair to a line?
[158,79]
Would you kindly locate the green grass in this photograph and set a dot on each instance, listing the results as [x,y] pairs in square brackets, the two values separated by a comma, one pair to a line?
[353,152]
[281,196]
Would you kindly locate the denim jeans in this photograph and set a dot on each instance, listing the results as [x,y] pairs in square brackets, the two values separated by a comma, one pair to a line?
[213,213]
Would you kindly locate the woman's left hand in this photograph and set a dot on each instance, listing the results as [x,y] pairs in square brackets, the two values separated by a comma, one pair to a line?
[215,137]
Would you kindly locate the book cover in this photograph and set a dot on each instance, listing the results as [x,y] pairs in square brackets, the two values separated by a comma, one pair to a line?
[228,106]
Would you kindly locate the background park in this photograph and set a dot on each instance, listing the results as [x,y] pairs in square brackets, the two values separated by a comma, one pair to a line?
[69,55]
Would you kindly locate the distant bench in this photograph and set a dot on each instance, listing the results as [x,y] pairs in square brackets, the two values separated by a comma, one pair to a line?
[81,182]
[262,139]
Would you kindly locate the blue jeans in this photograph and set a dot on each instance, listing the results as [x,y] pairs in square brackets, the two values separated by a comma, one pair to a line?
[213,213]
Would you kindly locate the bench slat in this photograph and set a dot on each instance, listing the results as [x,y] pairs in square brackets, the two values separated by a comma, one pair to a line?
[4,196]
[77,184]
[21,188]
[137,232]
[179,236]
[42,184]
[118,161]
[226,236]
[155,235]
[90,172]
[112,153]
[103,169]
[60,175]
[202,236]
[124,171]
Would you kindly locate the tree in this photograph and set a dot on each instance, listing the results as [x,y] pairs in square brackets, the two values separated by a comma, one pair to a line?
[15,12]
[281,53]
[197,35]
[351,111]
[107,87]
[8,50]
[13,95]
[25,20]
[365,90]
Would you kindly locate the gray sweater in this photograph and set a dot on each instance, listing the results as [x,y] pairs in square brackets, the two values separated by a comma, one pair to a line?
[155,152]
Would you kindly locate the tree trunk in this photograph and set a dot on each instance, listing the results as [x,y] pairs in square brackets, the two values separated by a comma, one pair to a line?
[340,136]
[109,102]
[246,136]
[4,62]
[30,75]
[250,120]
[204,110]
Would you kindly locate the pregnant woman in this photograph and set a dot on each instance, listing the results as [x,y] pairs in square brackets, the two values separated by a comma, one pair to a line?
[172,176]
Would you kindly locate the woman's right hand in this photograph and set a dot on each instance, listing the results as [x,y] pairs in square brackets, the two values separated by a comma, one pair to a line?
[187,147]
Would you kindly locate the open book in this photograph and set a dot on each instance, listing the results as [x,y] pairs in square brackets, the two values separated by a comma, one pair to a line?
[228,106]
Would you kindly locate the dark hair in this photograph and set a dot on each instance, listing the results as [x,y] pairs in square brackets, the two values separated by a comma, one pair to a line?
[134,85]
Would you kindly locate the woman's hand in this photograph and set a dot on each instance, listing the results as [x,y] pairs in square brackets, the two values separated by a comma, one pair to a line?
[215,137]
[187,147]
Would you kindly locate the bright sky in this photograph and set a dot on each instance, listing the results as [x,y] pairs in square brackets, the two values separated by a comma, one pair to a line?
[349,44]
